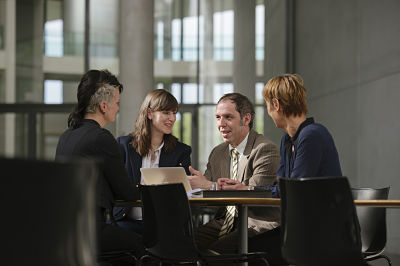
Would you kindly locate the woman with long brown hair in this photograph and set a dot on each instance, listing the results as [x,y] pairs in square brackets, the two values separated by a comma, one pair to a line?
[151,145]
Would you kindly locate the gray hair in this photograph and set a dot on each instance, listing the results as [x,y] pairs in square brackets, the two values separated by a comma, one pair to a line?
[105,92]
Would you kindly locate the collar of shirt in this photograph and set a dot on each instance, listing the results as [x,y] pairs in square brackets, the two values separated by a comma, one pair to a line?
[148,163]
[240,148]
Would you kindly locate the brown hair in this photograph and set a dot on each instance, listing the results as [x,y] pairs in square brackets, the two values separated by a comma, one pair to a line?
[156,100]
[288,89]
[243,105]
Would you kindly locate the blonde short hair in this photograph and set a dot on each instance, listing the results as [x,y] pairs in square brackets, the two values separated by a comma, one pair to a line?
[288,89]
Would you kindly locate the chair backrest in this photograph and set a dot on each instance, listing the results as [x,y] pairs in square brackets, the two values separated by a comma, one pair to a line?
[48,212]
[319,222]
[168,229]
[372,219]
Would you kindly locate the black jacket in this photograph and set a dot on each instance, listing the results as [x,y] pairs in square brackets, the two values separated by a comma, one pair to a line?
[180,156]
[89,140]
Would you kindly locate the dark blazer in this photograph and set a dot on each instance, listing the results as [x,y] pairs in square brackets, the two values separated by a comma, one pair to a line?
[89,140]
[180,156]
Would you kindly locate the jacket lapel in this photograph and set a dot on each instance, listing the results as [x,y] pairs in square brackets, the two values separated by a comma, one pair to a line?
[225,163]
[135,164]
[246,154]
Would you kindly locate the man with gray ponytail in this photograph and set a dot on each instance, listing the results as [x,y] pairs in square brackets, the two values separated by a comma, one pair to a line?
[98,103]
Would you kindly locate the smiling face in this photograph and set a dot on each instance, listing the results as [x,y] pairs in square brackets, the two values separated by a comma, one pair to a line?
[162,121]
[233,129]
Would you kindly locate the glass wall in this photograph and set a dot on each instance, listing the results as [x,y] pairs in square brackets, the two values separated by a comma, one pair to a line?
[195,39]
[49,61]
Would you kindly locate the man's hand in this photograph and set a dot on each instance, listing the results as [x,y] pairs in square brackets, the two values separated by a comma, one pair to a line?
[197,180]
[230,184]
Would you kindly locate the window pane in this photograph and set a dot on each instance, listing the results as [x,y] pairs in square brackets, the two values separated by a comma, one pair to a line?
[209,136]
[53,91]
[260,28]
[176,130]
[259,119]
[259,88]
[176,91]
[176,39]
[223,35]
[190,93]
[190,38]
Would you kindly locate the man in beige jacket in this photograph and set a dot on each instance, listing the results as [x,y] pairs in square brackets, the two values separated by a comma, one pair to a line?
[244,160]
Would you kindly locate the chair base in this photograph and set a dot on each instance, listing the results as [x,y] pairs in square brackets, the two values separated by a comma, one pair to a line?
[115,256]
[205,260]
[379,256]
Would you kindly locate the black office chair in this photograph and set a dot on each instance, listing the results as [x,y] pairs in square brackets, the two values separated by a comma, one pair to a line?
[48,212]
[111,257]
[319,222]
[168,229]
[372,222]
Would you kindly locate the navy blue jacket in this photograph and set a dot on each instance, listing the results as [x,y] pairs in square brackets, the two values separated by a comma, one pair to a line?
[180,156]
[314,155]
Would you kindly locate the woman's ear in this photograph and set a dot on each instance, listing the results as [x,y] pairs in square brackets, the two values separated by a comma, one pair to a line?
[149,114]
[276,104]
[103,107]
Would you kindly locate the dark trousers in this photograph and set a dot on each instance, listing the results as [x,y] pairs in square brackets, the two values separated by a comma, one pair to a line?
[269,241]
[130,224]
[111,238]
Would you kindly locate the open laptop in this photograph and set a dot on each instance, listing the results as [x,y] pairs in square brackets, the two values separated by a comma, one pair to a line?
[162,175]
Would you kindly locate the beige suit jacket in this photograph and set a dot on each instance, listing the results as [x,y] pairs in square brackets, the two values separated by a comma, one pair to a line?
[257,167]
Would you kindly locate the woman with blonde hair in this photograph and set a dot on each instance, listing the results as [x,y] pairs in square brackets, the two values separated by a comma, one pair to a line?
[151,145]
[307,148]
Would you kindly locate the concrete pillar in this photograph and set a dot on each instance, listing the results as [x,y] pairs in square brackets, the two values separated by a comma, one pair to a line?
[244,62]
[136,58]
[10,45]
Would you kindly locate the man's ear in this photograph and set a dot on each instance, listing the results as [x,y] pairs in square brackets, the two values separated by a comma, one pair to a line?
[246,119]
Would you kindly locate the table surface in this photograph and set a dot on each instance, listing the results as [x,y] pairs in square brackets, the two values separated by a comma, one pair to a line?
[390,203]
